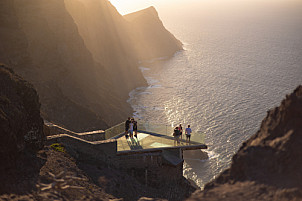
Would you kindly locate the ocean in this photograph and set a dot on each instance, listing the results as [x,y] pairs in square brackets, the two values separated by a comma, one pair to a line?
[237,63]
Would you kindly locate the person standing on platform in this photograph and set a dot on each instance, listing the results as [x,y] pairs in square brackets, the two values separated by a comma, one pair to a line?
[188,133]
[131,128]
[135,128]
[176,135]
[127,127]
[180,130]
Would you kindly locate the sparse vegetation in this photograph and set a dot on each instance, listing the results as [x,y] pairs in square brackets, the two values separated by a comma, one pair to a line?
[58,147]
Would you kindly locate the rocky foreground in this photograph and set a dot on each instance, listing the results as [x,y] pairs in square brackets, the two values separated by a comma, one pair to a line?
[268,166]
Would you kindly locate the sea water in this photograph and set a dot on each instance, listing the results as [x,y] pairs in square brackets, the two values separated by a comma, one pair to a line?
[236,65]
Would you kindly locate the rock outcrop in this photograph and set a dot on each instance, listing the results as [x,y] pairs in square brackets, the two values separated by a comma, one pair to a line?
[21,125]
[268,165]
[79,55]
[149,36]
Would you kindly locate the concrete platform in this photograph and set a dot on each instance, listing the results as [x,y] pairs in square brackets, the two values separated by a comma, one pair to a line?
[147,142]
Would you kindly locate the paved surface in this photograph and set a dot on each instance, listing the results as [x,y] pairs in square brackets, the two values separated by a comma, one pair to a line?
[147,141]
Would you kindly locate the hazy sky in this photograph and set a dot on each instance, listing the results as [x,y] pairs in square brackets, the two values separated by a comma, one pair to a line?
[172,10]
[128,6]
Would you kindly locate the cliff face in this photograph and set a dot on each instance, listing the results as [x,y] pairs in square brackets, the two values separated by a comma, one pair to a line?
[81,61]
[68,80]
[13,45]
[149,36]
[21,125]
[121,41]
[103,31]
[275,149]
[268,165]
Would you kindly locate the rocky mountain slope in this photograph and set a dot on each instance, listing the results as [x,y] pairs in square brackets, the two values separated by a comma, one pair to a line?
[268,165]
[21,127]
[83,66]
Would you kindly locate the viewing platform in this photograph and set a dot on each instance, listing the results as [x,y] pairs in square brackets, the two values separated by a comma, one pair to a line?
[154,155]
[151,137]
[147,142]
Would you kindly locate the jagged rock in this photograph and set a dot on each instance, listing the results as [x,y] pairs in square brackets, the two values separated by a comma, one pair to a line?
[268,165]
[21,125]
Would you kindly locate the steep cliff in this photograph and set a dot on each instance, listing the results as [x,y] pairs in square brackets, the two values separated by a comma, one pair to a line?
[268,165]
[13,44]
[103,31]
[121,41]
[21,130]
[71,84]
[82,61]
[21,125]
[149,36]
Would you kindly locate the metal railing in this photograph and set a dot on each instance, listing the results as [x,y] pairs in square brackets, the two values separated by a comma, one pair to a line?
[148,127]
[114,131]
[167,129]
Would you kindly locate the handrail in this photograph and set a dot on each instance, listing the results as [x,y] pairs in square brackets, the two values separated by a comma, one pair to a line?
[145,126]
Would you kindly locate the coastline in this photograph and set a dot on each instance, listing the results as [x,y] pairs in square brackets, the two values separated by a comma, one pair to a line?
[151,82]
[139,110]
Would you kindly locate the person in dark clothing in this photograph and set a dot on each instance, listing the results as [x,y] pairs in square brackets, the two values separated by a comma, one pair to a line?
[135,128]
[176,135]
[127,123]
[180,130]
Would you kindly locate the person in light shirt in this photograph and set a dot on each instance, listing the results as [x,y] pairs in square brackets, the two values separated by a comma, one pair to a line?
[188,133]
